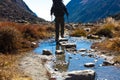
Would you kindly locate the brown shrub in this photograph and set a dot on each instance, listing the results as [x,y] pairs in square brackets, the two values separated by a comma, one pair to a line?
[9,39]
[106,30]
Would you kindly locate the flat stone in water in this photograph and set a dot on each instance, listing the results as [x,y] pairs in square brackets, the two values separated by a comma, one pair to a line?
[70,45]
[89,64]
[81,75]
[82,50]
[63,39]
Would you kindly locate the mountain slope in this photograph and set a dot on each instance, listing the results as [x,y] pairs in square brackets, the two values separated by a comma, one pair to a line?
[91,10]
[17,11]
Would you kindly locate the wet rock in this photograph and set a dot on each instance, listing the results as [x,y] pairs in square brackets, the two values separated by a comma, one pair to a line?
[82,50]
[72,50]
[81,75]
[83,54]
[70,45]
[89,64]
[90,55]
[91,50]
[46,52]
[70,57]
[63,39]
[107,63]
[59,52]
[63,43]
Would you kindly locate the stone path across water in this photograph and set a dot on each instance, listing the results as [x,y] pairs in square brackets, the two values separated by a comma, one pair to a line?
[33,66]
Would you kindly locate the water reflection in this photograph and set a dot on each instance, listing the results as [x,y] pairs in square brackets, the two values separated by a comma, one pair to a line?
[61,63]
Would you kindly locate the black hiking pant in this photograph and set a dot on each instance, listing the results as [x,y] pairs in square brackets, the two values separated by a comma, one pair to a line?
[59,24]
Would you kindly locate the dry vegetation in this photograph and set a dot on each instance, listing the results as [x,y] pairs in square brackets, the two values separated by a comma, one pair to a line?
[111,30]
[17,38]
[78,32]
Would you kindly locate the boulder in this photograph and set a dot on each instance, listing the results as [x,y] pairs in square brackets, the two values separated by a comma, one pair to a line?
[46,52]
[89,64]
[81,75]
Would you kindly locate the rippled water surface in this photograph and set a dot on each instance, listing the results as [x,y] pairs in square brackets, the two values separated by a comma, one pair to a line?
[77,61]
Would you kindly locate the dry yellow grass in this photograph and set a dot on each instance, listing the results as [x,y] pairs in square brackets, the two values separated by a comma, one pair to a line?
[9,62]
[31,31]
[78,32]
[9,67]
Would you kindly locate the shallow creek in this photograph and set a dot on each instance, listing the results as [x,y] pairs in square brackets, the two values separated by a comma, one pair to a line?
[76,60]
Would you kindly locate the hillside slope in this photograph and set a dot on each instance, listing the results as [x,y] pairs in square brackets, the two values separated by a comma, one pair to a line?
[92,10]
[17,11]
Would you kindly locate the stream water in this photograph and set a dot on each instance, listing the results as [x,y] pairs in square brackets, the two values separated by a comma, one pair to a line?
[77,61]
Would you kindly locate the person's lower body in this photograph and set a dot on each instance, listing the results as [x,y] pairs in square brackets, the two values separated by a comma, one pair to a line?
[59,22]
[62,28]
[56,31]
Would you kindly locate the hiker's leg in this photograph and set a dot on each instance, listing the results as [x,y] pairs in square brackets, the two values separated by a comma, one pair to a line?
[62,27]
[57,29]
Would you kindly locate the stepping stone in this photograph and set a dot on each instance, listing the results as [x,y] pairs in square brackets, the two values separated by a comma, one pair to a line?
[89,64]
[59,52]
[63,39]
[82,50]
[46,52]
[80,75]
[69,45]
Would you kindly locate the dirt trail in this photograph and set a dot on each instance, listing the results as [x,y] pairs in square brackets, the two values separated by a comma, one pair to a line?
[32,66]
